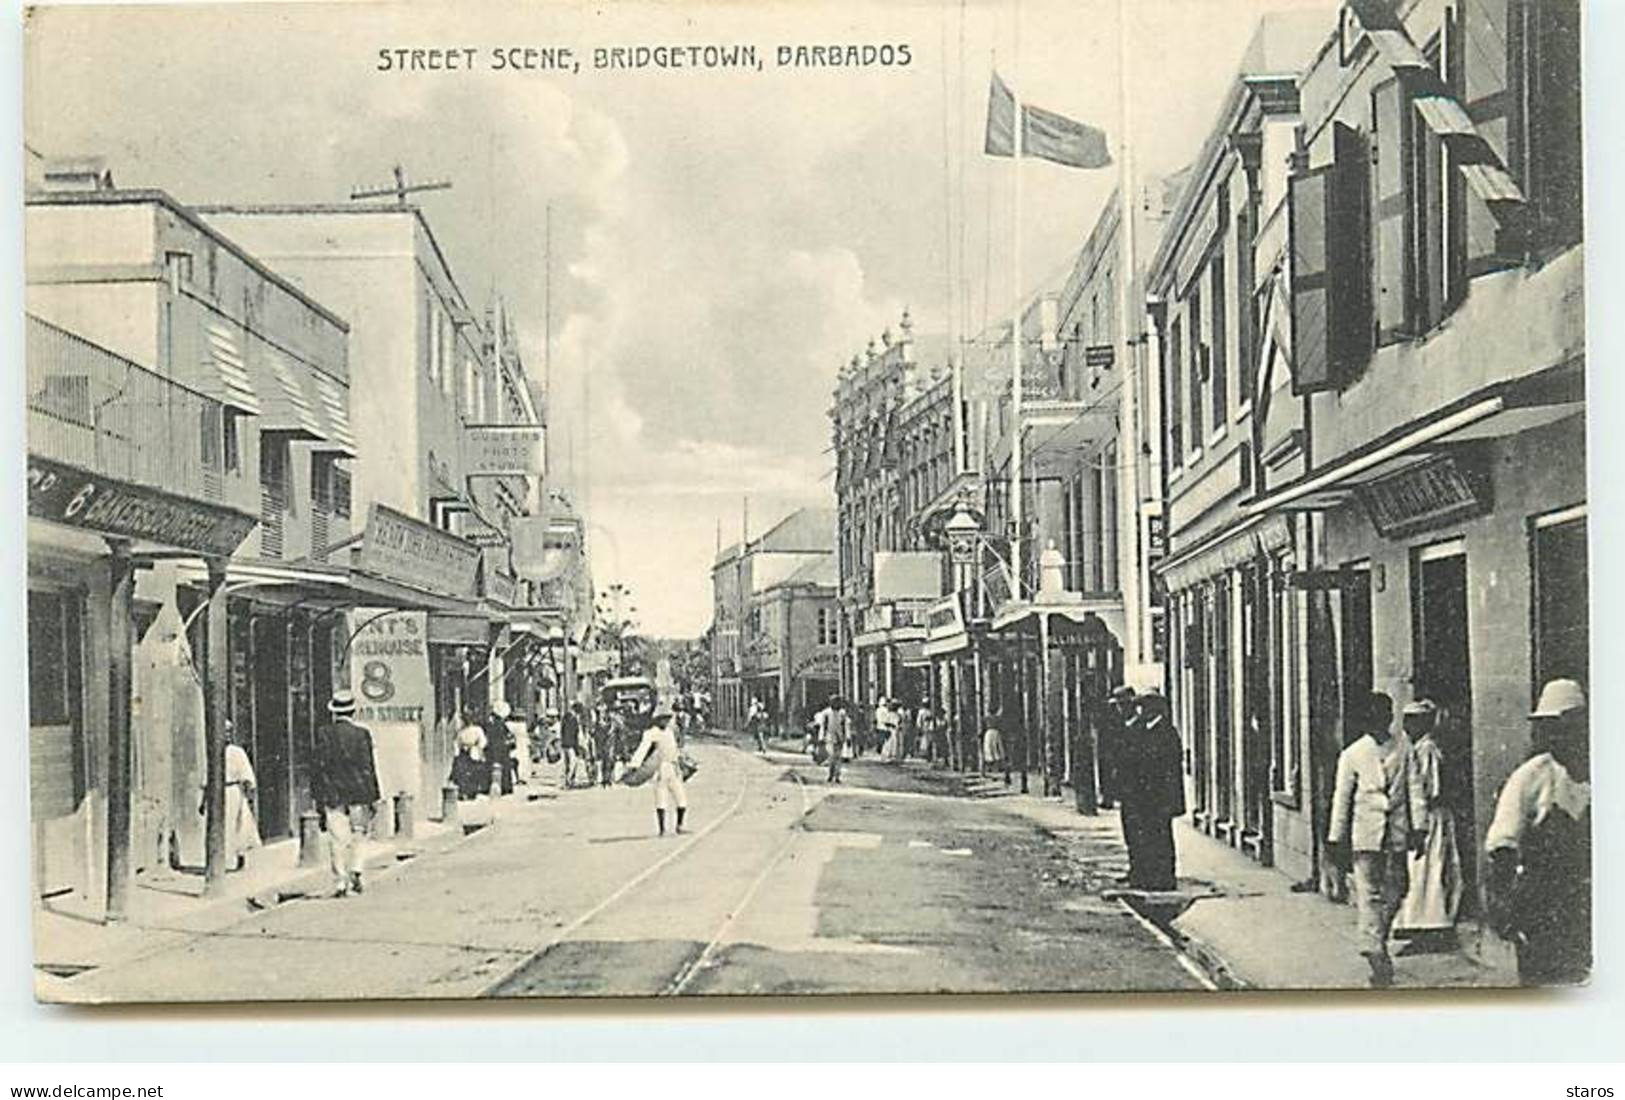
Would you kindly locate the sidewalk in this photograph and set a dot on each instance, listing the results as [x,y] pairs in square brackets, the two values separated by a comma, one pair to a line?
[167,908]
[1240,921]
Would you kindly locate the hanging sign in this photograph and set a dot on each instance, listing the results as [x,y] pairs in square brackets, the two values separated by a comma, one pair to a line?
[389,665]
[504,450]
[1440,490]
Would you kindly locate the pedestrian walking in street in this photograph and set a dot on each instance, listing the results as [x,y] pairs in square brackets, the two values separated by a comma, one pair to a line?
[242,831]
[660,741]
[1152,792]
[609,726]
[346,790]
[570,742]
[993,750]
[756,724]
[1113,729]
[1427,916]
[499,745]
[836,735]
[1376,797]
[1539,844]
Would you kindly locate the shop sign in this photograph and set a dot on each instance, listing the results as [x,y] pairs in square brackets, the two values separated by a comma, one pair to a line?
[944,618]
[389,665]
[501,588]
[1100,355]
[818,666]
[877,617]
[401,548]
[504,450]
[77,498]
[1437,491]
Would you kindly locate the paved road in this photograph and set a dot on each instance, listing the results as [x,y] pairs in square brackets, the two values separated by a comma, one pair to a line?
[781,885]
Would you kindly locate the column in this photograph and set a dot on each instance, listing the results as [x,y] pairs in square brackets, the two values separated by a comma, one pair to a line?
[215,683]
[121,594]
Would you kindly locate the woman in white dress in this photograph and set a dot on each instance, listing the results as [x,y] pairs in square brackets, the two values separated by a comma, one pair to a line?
[242,831]
[1434,898]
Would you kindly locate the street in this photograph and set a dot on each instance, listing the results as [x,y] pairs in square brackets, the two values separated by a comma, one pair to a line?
[894,882]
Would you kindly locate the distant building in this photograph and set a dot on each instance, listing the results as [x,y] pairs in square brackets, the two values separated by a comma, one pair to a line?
[769,637]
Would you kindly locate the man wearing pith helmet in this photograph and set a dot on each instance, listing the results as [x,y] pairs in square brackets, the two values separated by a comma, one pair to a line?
[1539,844]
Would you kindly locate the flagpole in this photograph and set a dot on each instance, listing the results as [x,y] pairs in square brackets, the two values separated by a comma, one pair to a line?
[1129,324]
[1015,323]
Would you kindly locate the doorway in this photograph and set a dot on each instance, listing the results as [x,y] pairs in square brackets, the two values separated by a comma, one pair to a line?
[1442,671]
[270,744]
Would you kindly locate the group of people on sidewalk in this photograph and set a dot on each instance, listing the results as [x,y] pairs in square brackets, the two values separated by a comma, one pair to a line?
[1393,831]
[1142,772]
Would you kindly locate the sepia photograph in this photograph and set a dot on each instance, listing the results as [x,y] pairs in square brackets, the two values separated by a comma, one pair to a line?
[566,500]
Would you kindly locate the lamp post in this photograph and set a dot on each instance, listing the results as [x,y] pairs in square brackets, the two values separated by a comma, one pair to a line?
[964,536]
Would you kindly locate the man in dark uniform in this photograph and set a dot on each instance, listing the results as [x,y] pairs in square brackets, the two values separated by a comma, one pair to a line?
[1152,791]
[570,741]
[345,786]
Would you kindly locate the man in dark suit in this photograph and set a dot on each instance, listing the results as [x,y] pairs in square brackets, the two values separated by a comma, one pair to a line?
[1152,791]
[345,784]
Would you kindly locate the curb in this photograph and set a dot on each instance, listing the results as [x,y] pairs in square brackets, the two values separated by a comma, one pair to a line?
[1161,916]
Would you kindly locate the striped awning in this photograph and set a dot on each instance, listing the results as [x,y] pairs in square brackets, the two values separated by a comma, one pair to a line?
[286,406]
[225,375]
[334,402]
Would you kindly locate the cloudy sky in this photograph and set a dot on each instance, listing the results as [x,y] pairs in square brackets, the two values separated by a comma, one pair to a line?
[722,241]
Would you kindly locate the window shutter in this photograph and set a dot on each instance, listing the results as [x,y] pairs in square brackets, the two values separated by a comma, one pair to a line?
[1347,248]
[1307,198]
[1390,215]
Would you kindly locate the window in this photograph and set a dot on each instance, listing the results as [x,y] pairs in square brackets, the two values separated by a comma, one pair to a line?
[1560,582]
[209,436]
[1198,367]
[231,443]
[1544,86]
[431,335]
[52,635]
[321,483]
[828,628]
[1284,755]
[1220,380]
[1175,369]
[1108,531]
[341,492]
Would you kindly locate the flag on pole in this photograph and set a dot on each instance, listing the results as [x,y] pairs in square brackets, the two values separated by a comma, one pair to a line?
[1045,134]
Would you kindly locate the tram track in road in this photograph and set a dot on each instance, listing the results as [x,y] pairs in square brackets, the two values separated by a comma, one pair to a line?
[680,981]
[695,962]
[623,894]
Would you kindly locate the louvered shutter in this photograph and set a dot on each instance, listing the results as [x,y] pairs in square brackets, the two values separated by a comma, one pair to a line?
[1307,201]
[1390,212]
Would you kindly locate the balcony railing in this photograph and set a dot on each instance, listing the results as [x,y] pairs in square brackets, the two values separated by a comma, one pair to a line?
[90,408]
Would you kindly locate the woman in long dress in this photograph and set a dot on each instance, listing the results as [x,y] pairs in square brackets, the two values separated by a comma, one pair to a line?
[242,831]
[1434,898]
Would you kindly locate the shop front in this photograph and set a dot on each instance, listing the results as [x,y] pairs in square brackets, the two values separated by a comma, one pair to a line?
[1459,571]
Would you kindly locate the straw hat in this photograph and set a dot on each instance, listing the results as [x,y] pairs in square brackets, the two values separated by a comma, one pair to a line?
[1558,698]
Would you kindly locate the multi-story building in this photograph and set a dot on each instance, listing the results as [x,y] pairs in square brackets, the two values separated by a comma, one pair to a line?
[449,444]
[1237,661]
[773,615]
[1438,360]
[180,393]
[898,468]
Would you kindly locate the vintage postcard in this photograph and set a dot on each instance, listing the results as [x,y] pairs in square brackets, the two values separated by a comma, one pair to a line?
[696,498]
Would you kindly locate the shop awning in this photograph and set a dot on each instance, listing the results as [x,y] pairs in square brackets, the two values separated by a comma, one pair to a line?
[1020,616]
[1502,409]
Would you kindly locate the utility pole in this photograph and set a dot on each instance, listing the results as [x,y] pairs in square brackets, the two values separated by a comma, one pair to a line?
[400,190]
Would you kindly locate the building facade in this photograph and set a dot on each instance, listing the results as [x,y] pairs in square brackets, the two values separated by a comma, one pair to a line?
[447,435]
[205,401]
[1439,358]
[772,620]
[1238,673]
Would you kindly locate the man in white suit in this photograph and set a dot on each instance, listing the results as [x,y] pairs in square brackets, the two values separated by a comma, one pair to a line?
[1377,803]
